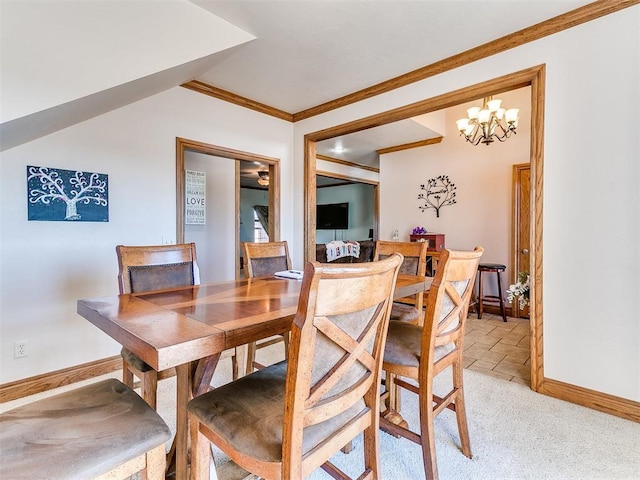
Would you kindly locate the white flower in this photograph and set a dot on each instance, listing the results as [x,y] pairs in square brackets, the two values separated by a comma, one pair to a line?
[520,290]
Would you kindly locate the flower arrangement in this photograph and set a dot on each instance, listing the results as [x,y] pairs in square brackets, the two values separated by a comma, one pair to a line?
[419,231]
[520,290]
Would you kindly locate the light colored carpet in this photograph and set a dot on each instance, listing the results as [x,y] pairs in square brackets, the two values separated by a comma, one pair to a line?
[515,434]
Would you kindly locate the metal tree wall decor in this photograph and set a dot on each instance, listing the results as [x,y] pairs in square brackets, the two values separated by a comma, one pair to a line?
[440,192]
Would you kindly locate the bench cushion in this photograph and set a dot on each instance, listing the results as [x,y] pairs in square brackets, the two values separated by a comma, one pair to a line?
[78,434]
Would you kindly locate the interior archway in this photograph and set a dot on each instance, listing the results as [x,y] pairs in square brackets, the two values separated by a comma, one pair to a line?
[533,77]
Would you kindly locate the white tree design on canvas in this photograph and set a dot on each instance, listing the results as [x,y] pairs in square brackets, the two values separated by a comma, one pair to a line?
[82,189]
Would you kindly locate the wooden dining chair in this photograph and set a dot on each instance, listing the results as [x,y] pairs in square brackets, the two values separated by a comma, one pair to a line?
[148,268]
[288,419]
[420,353]
[407,309]
[260,260]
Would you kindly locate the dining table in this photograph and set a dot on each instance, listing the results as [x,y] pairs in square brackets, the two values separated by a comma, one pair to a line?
[189,327]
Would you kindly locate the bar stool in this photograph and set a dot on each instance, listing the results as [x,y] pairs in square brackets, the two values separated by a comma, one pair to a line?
[491,299]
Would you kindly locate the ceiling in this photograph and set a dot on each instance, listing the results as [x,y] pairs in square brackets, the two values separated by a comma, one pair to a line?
[309,52]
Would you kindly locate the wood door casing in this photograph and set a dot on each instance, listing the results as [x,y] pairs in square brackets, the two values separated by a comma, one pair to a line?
[521,222]
[533,76]
[183,144]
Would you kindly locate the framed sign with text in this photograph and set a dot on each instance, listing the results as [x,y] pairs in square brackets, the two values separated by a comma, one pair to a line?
[195,186]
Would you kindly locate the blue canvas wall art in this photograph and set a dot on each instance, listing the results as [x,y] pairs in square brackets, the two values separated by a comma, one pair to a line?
[55,194]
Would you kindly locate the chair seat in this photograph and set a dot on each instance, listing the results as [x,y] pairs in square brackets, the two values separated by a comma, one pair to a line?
[402,312]
[248,414]
[78,434]
[403,346]
[135,361]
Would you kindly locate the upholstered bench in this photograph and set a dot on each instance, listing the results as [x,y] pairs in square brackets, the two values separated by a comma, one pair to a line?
[86,433]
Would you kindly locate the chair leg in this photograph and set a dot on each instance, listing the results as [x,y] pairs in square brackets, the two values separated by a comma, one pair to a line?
[156,464]
[427,433]
[149,387]
[461,411]
[148,383]
[251,357]
[285,337]
[200,452]
[127,375]
[234,367]
[371,439]
[238,362]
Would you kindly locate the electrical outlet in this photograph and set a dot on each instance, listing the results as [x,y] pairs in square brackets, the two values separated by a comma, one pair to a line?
[20,349]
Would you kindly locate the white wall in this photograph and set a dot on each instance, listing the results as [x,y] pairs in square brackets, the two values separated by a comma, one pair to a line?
[591,216]
[215,240]
[483,178]
[47,266]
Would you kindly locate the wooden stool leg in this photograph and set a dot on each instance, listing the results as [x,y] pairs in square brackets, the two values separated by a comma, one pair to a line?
[501,297]
[480,294]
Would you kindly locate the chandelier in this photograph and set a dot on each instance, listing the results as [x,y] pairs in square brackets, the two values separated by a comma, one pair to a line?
[488,123]
[263,178]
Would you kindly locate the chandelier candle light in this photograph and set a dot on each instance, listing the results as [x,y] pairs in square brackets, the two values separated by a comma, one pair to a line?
[488,123]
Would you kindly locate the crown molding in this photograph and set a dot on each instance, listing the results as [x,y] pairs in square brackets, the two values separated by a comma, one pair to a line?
[407,146]
[220,94]
[554,25]
[347,163]
[586,13]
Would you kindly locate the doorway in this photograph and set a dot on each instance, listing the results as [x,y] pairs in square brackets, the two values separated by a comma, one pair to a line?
[231,241]
[369,194]
[533,77]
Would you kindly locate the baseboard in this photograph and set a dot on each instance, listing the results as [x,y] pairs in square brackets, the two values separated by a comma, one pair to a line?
[603,402]
[494,309]
[59,378]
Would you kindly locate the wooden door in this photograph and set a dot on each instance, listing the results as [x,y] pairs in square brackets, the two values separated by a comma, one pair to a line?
[521,227]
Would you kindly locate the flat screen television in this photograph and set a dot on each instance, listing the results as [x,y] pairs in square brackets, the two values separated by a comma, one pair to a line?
[333,216]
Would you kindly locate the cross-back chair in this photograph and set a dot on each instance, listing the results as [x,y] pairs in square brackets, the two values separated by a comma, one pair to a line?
[421,353]
[147,268]
[288,419]
[260,260]
[407,309]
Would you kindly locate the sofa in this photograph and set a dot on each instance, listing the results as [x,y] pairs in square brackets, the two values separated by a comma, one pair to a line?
[366,253]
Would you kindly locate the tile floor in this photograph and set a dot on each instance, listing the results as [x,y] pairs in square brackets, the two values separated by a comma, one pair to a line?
[497,348]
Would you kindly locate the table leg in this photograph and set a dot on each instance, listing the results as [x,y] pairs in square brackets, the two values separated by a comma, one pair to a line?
[193,379]
[183,395]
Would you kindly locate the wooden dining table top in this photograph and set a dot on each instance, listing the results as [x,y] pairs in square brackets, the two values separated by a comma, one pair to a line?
[171,327]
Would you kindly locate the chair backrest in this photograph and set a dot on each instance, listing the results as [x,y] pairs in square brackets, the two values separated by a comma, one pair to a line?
[447,307]
[432,263]
[335,358]
[262,259]
[414,263]
[156,267]
[414,253]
